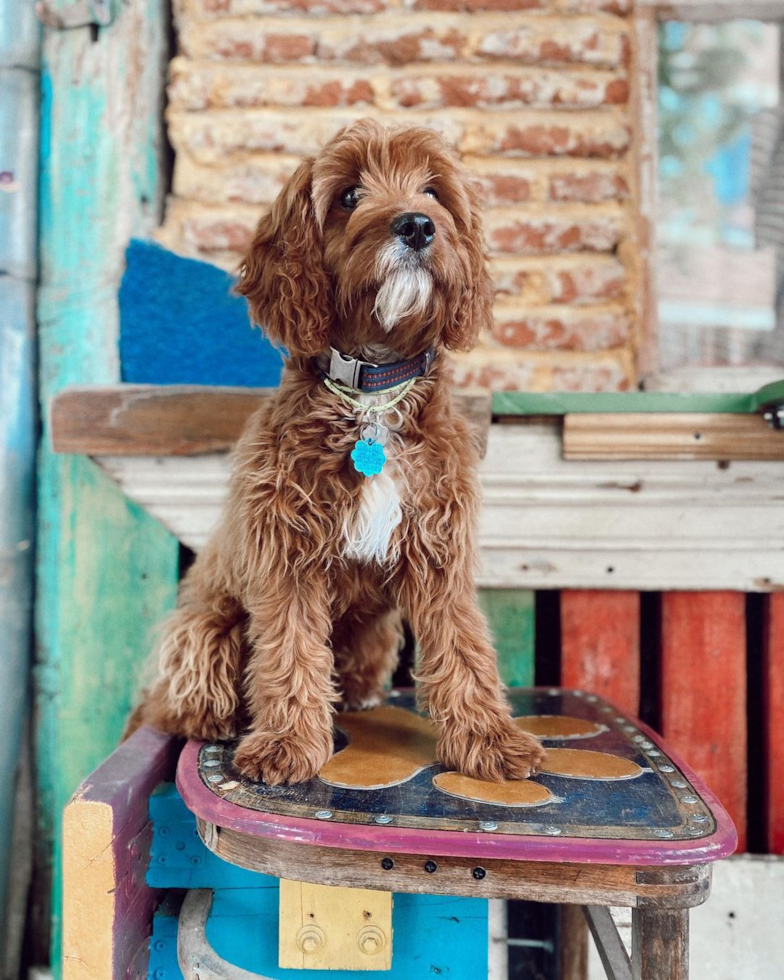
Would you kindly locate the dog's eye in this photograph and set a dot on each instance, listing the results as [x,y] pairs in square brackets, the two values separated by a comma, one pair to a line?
[431,192]
[349,199]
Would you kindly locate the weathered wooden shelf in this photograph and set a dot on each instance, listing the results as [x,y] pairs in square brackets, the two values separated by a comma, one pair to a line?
[547,522]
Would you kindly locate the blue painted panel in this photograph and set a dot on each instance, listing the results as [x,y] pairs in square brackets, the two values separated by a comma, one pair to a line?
[180,324]
[434,935]
[179,859]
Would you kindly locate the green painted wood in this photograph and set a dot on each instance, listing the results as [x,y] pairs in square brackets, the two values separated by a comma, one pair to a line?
[511,616]
[107,572]
[567,403]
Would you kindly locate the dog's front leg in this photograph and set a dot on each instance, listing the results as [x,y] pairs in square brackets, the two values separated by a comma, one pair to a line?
[288,682]
[459,683]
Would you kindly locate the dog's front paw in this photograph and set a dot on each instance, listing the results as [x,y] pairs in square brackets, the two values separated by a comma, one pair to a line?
[500,752]
[290,758]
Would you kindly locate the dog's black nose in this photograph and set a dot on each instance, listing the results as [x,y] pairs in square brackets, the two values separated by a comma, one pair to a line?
[416,230]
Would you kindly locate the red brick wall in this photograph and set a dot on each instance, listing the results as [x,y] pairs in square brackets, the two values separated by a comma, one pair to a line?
[534,93]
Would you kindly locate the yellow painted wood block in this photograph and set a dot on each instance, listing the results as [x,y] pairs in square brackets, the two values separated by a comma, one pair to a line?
[323,927]
[89,880]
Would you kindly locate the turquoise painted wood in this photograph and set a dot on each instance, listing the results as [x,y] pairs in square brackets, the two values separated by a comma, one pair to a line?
[107,572]
[434,936]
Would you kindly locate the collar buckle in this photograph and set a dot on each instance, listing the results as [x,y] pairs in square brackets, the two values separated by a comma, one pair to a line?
[346,370]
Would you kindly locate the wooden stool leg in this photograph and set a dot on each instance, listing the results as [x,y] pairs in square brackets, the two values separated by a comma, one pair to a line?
[574,943]
[660,944]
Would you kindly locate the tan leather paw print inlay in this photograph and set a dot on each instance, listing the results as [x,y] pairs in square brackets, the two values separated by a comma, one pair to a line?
[388,746]
[523,792]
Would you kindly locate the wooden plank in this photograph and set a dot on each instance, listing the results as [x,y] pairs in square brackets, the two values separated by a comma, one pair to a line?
[653,525]
[174,420]
[573,952]
[773,719]
[106,571]
[660,944]
[600,645]
[181,420]
[511,615]
[673,436]
[536,881]
[609,944]
[107,907]
[703,691]
[327,928]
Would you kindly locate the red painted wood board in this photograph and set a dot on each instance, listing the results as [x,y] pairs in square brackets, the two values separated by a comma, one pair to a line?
[703,691]
[600,644]
[773,719]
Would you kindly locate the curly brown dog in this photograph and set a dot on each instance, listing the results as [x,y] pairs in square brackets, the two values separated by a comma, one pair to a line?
[368,266]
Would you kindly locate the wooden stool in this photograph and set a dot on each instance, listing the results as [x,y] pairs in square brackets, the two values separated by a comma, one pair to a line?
[613,819]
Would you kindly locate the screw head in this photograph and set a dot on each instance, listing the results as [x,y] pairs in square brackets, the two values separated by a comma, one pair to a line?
[310,938]
[689,799]
[431,867]
[488,825]
[479,873]
[552,831]
[667,768]
[387,864]
[323,814]
[383,819]
[371,940]
[678,784]
[663,832]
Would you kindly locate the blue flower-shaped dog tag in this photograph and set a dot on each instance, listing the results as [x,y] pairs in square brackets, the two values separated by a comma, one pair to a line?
[369,457]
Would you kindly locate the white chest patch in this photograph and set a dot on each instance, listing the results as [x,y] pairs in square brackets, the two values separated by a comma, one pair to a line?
[368,531]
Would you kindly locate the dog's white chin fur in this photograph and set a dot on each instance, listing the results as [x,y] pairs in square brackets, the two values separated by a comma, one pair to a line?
[405,286]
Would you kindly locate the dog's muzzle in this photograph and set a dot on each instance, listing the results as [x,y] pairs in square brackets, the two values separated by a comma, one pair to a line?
[414,229]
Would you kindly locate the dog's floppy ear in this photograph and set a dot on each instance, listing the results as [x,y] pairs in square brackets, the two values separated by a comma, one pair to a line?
[472,311]
[282,274]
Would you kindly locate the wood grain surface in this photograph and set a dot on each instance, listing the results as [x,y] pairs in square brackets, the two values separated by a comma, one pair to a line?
[671,436]
[596,884]
[107,906]
[703,691]
[660,944]
[175,420]
[600,644]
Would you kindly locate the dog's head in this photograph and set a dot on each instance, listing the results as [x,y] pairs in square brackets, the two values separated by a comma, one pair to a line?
[375,242]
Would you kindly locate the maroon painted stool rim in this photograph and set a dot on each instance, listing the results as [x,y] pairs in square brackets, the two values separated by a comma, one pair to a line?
[462,844]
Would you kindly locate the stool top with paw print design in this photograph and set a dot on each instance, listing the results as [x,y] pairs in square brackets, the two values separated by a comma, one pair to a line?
[610,792]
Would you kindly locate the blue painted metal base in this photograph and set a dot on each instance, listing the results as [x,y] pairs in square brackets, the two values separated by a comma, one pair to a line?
[434,936]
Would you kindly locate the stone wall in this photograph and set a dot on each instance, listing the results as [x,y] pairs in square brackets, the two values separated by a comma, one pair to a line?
[534,93]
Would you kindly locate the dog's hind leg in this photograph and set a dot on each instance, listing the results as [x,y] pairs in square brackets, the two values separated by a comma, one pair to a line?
[197,693]
[366,647]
